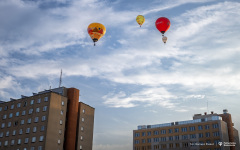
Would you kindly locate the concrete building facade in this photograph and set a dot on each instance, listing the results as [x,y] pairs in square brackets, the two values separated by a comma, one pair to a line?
[205,132]
[48,120]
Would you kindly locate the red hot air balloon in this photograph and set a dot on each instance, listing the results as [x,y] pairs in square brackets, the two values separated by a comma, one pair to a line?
[163,24]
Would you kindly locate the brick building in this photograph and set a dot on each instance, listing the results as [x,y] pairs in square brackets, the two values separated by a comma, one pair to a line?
[49,120]
[205,132]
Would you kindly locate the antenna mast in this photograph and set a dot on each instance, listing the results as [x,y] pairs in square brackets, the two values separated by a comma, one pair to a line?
[60,81]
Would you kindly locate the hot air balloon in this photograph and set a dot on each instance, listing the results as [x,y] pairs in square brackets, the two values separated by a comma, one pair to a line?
[163,24]
[96,31]
[140,20]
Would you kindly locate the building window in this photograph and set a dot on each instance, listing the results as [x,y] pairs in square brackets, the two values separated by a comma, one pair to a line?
[176,130]
[3,125]
[215,126]
[143,134]
[207,127]
[20,131]
[14,132]
[156,132]
[4,116]
[0,108]
[26,140]
[45,108]
[59,141]
[61,112]
[62,103]
[149,140]
[155,139]
[216,133]
[82,119]
[5,143]
[143,141]
[19,141]
[22,122]
[216,142]
[200,135]
[163,139]
[80,147]
[81,138]
[28,130]
[34,129]
[60,131]
[38,110]
[200,127]
[30,111]
[10,115]
[170,131]
[32,102]
[137,134]
[29,120]
[1,134]
[33,139]
[43,118]
[18,105]
[83,110]
[24,113]
[39,100]
[9,124]
[32,148]
[137,142]
[193,136]
[25,104]
[36,119]
[45,99]
[192,128]
[6,107]
[39,147]
[15,123]
[149,133]
[170,138]
[12,142]
[12,106]
[7,133]
[207,134]
[184,137]
[42,128]
[185,144]
[177,137]
[41,138]
[184,129]
[61,122]
[17,114]
[163,131]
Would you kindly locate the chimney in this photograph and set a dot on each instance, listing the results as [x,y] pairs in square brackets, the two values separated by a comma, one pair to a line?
[205,113]
[211,112]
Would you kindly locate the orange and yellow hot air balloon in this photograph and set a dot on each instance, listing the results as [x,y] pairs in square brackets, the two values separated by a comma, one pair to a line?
[140,20]
[96,31]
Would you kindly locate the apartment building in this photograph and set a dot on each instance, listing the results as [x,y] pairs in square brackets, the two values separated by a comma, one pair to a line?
[205,132]
[48,120]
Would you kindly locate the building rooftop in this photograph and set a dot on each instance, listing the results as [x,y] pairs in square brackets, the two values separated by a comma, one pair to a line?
[205,119]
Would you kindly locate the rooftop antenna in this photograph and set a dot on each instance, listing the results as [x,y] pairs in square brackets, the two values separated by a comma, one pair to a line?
[60,81]
[207,106]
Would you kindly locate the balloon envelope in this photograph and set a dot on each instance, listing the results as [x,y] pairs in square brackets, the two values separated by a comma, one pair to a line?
[162,24]
[96,31]
[140,19]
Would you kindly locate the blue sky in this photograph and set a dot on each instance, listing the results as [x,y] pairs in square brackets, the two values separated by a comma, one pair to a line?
[130,76]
